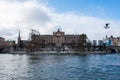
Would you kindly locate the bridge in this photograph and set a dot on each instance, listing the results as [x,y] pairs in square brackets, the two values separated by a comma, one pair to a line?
[113,48]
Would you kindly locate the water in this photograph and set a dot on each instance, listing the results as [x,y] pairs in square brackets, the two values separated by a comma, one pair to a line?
[59,67]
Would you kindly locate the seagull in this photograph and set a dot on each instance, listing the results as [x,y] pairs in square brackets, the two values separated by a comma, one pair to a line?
[107,25]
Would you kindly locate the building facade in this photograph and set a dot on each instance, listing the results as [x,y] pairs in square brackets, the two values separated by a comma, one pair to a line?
[58,38]
[2,42]
[115,41]
[9,43]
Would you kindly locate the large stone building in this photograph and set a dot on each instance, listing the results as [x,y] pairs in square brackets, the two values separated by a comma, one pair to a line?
[57,39]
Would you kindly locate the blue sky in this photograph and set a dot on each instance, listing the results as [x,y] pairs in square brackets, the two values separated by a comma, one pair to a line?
[72,16]
[99,8]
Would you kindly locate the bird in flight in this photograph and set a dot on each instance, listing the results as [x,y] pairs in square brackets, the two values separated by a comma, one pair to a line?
[107,25]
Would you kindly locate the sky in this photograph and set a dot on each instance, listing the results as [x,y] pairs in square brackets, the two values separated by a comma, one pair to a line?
[71,16]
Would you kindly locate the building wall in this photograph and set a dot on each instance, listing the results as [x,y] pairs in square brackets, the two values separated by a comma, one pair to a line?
[115,41]
[9,43]
[71,38]
[2,42]
[58,38]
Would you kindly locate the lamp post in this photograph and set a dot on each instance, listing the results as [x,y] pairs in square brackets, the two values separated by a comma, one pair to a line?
[106,38]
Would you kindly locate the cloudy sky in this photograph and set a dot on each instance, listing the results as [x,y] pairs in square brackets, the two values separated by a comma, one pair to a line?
[71,16]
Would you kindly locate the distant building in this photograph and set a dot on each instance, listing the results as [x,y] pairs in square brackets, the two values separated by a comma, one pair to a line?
[2,39]
[57,39]
[22,43]
[9,43]
[5,44]
[19,40]
[2,42]
[94,43]
[100,43]
[113,41]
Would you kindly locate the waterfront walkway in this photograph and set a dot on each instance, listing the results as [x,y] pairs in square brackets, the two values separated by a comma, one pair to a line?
[60,52]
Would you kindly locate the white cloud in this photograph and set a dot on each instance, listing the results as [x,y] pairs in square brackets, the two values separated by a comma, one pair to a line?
[93,27]
[24,14]
[17,15]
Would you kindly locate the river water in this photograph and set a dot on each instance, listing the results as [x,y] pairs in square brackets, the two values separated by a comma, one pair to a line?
[59,67]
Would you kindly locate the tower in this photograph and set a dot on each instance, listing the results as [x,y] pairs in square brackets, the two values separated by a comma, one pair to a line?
[19,39]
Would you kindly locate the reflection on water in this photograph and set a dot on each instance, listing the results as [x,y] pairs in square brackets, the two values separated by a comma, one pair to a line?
[59,67]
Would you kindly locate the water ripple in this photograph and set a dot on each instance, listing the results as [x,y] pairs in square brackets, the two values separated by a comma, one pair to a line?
[59,67]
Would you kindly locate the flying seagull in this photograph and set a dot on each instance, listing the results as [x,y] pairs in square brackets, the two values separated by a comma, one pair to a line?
[107,25]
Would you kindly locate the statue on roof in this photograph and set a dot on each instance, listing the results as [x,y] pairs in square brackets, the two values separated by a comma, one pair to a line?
[58,30]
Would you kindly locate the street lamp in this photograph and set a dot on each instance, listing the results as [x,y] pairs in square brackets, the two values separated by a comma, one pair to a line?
[107,40]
